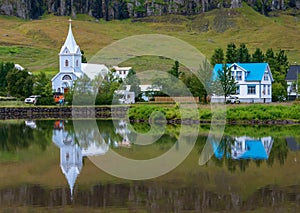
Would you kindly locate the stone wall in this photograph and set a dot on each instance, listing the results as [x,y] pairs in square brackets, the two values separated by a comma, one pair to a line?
[61,112]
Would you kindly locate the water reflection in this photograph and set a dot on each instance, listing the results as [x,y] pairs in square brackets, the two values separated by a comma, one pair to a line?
[244,147]
[240,151]
[26,181]
[72,151]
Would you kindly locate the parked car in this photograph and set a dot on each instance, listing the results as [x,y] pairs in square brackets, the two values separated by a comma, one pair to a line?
[32,99]
[30,123]
[233,100]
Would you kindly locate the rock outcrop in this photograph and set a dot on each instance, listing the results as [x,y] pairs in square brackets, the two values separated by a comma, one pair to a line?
[121,9]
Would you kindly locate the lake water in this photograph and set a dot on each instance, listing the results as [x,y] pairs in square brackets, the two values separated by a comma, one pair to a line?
[52,165]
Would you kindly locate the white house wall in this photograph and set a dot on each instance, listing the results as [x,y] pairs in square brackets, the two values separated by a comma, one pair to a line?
[259,96]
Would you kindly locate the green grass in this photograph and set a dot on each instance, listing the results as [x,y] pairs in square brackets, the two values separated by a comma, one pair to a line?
[12,103]
[243,113]
[29,57]
[35,44]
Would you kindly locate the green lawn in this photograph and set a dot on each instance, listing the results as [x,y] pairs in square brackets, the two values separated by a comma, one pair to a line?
[35,44]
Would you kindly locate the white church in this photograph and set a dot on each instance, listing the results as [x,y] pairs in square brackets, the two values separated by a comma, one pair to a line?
[71,67]
[72,151]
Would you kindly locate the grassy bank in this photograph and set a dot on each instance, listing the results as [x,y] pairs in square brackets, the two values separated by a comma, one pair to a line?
[237,113]
[34,44]
[243,113]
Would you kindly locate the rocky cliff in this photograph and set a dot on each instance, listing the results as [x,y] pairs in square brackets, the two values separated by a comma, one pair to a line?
[120,9]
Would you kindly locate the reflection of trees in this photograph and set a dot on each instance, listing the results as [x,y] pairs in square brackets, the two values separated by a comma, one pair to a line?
[224,150]
[18,136]
[279,151]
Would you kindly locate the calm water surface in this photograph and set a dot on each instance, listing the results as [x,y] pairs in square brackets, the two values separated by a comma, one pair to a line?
[45,166]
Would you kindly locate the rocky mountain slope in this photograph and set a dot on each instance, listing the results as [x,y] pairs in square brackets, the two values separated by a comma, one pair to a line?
[120,9]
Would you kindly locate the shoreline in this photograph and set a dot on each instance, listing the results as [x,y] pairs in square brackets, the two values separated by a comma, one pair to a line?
[118,112]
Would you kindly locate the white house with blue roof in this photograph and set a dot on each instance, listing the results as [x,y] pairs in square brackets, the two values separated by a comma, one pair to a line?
[245,147]
[253,81]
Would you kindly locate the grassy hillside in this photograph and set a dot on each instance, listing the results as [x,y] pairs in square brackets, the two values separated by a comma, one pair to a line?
[35,44]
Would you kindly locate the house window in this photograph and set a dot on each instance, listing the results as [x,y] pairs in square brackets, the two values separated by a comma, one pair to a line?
[251,89]
[234,67]
[67,77]
[232,75]
[266,76]
[76,63]
[66,63]
[238,75]
[269,90]
[237,92]
[264,90]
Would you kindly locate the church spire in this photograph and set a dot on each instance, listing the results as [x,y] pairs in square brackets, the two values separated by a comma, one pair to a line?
[70,42]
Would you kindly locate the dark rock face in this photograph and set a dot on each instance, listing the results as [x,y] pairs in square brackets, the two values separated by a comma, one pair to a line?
[110,9]
[121,9]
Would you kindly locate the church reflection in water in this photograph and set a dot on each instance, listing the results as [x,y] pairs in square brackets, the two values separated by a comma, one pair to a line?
[72,150]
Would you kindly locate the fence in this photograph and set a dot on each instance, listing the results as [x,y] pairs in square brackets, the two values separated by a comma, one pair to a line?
[186,99]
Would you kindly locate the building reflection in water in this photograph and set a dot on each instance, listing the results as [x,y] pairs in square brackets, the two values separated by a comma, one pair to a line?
[73,150]
[244,147]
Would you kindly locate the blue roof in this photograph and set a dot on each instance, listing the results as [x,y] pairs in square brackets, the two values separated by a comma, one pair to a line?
[256,70]
[256,150]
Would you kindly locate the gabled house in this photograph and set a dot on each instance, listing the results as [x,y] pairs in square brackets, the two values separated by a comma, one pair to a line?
[292,81]
[253,82]
[121,72]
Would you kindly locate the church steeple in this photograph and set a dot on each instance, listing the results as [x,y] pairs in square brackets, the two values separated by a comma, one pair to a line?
[70,42]
[70,54]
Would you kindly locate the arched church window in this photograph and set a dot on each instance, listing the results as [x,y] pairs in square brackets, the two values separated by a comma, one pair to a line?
[66,63]
[76,63]
[67,77]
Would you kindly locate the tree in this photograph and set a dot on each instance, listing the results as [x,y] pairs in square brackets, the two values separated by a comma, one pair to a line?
[106,90]
[258,56]
[205,76]
[82,92]
[279,92]
[243,55]
[83,58]
[281,67]
[43,86]
[217,57]
[175,70]
[231,53]
[4,69]
[19,83]
[228,83]
[134,83]
[270,58]
[195,86]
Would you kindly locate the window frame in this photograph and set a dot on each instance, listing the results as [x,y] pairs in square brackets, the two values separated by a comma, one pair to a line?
[66,63]
[251,89]
[239,77]
[266,76]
